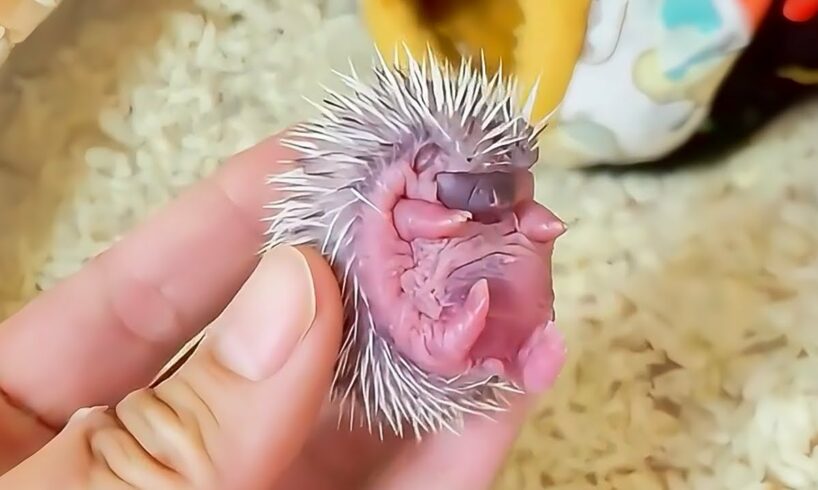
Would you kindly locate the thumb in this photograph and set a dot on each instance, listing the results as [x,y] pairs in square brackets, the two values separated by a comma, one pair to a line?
[235,415]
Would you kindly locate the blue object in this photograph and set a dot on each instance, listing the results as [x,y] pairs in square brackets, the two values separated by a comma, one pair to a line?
[701,14]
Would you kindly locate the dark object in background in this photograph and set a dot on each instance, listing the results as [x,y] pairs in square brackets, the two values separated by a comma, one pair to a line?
[755,91]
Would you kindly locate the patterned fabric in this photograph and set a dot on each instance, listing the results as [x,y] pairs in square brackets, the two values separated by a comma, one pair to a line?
[633,80]
[646,77]
[778,69]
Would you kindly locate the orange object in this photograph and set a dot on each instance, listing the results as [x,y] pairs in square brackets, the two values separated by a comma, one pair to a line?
[756,10]
[800,10]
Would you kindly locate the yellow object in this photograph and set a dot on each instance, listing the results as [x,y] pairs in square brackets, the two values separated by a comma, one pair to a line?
[18,19]
[532,38]
[804,76]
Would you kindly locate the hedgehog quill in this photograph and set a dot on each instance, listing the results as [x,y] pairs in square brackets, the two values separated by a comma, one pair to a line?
[417,189]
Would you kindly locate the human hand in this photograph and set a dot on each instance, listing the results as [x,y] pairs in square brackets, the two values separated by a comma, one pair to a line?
[247,410]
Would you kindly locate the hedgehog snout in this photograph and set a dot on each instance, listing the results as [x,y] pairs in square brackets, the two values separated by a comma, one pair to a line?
[487,196]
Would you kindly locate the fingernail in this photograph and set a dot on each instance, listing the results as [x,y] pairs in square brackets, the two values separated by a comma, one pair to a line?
[85,412]
[261,327]
[461,217]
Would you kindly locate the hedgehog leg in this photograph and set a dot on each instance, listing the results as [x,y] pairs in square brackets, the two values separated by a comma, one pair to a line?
[422,219]
[443,346]
[461,330]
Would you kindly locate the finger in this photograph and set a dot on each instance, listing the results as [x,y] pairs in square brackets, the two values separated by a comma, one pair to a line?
[235,415]
[109,328]
[446,460]
[338,456]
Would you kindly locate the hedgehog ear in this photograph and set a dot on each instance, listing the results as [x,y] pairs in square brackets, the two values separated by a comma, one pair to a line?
[524,157]
[426,155]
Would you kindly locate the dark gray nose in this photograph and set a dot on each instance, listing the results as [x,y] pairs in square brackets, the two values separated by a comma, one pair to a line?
[484,195]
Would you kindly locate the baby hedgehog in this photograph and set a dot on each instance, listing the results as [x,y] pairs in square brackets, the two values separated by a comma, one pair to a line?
[417,189]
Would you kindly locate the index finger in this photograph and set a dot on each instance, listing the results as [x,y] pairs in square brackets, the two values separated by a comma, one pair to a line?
[109,329]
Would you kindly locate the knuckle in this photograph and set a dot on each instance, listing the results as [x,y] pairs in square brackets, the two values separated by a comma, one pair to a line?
[117,461]
[153,440]
[172,423]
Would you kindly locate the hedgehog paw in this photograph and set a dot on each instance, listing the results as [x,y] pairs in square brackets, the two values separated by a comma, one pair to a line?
[422,219]
[541,359]
[538,223]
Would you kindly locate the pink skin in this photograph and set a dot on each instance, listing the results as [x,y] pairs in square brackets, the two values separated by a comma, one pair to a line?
[455,295]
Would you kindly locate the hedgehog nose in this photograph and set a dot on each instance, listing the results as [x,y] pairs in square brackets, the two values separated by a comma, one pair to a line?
[485,195]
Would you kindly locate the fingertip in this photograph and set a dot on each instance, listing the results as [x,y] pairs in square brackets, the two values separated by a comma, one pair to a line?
[269,149]
[63,462]
[244,177]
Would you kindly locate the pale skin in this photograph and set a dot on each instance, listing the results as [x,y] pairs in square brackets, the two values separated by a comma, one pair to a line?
[248,410]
